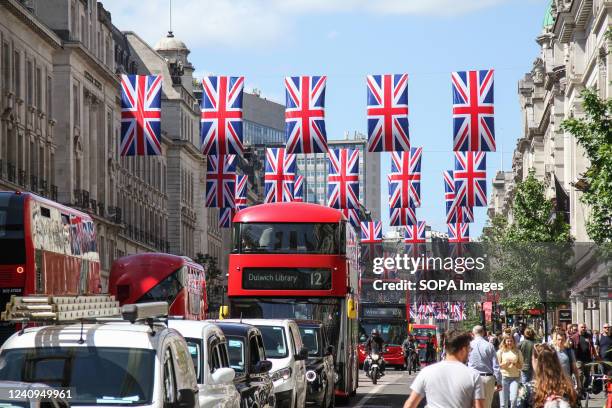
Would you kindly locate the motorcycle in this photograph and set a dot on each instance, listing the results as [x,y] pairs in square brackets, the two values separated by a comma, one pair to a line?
[375,367]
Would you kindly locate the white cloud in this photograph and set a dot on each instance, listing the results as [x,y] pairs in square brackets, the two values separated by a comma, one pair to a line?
[332,34]
[259,23]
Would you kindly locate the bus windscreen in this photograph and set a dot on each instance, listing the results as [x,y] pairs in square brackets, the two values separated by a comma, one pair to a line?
[288,238]
[12,237]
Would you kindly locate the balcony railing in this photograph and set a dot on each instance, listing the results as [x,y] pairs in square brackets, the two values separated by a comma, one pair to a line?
[21,179]
[85,203]
[101,209]
[78,197]
[34,184]
[53,193]
[11,172]
[44,186]
[93,205]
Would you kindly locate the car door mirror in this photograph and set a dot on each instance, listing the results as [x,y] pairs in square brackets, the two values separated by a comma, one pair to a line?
[186,398]
[331,350]
[262,366]
[303,354]
[223,375]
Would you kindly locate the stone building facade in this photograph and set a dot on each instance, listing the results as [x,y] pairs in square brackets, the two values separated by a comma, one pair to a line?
[60,62]
[574,55]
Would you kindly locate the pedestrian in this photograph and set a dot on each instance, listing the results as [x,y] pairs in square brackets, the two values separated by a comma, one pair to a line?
[582,344]
[550,384]
[430,354]
[484,360]
[511,363]
[517,335]
[596,341]
[605,348]
[566,356]
[526,348]
[449,383]
[571,330]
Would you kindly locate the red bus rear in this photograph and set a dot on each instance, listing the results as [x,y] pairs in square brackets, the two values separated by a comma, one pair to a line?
[155,277]
[298,261]
[45,248]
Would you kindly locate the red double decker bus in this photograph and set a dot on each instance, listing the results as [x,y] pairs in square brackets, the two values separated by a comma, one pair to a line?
[391,322]
[298,261]
[45,248]
[155,277]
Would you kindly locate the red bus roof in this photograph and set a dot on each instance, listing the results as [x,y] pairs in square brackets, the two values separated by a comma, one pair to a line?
[289,212]
[50,203]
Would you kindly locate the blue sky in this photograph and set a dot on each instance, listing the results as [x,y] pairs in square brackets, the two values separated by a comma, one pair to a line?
[265,40]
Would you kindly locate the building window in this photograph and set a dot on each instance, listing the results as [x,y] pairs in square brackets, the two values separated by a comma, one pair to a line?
[38,88]
[49,97]
[17,74]
[76,106]
[29,83]
[6,65]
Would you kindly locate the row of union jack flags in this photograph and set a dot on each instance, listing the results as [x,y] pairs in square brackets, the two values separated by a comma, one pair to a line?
[454,311]
[221,130]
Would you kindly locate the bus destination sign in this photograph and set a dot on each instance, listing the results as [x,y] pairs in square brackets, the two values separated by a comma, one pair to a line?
[382,312]
[286,278]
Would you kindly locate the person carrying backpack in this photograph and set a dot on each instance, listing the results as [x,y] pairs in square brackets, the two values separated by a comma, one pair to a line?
[551,387]
[526,348]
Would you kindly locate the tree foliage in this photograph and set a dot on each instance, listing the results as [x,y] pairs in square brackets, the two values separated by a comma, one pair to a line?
[594,134]
[210,266]
[530,253]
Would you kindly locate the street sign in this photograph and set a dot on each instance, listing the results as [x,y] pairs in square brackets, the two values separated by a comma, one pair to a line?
[565,315]
[592,304]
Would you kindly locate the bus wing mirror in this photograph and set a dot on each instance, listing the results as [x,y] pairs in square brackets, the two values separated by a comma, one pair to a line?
[223,312]
[351,309]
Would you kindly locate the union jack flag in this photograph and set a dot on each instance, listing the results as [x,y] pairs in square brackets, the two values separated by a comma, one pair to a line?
[221,130]
[225,217]
[454,211]
[402,216]
[388,113]
[471,178]
[241,192]
[414,238]
[473,124]
[343,178]
[405,179]
[305,114]
[352,215]
[371,232]
[298,189]
[280,175]
[415,234]
[140,115]
[458,233]
[221,181]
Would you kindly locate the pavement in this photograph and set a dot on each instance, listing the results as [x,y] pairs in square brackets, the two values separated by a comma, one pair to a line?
[393,389]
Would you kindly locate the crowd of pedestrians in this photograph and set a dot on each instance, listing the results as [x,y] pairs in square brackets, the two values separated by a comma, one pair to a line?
[514,368]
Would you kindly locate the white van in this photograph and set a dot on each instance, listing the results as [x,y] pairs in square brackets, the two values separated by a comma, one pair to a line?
[115,363]
[208,350]
[284,348]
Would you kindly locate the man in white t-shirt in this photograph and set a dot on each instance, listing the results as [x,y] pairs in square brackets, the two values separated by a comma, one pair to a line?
[449,383]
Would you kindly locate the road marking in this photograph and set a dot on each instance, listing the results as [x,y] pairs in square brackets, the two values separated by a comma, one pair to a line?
[370,394]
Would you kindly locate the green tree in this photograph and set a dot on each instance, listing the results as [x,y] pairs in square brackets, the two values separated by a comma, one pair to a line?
[530,253]
[594,134]
[210,266]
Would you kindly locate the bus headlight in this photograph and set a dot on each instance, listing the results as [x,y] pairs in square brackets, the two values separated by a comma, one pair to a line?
[283,373]
[311,376]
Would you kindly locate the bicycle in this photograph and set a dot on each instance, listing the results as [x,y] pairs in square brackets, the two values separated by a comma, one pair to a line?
[599,383]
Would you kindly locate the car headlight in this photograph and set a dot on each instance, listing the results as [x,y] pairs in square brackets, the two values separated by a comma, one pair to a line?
[283,373]
[375,356]
[311,375]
